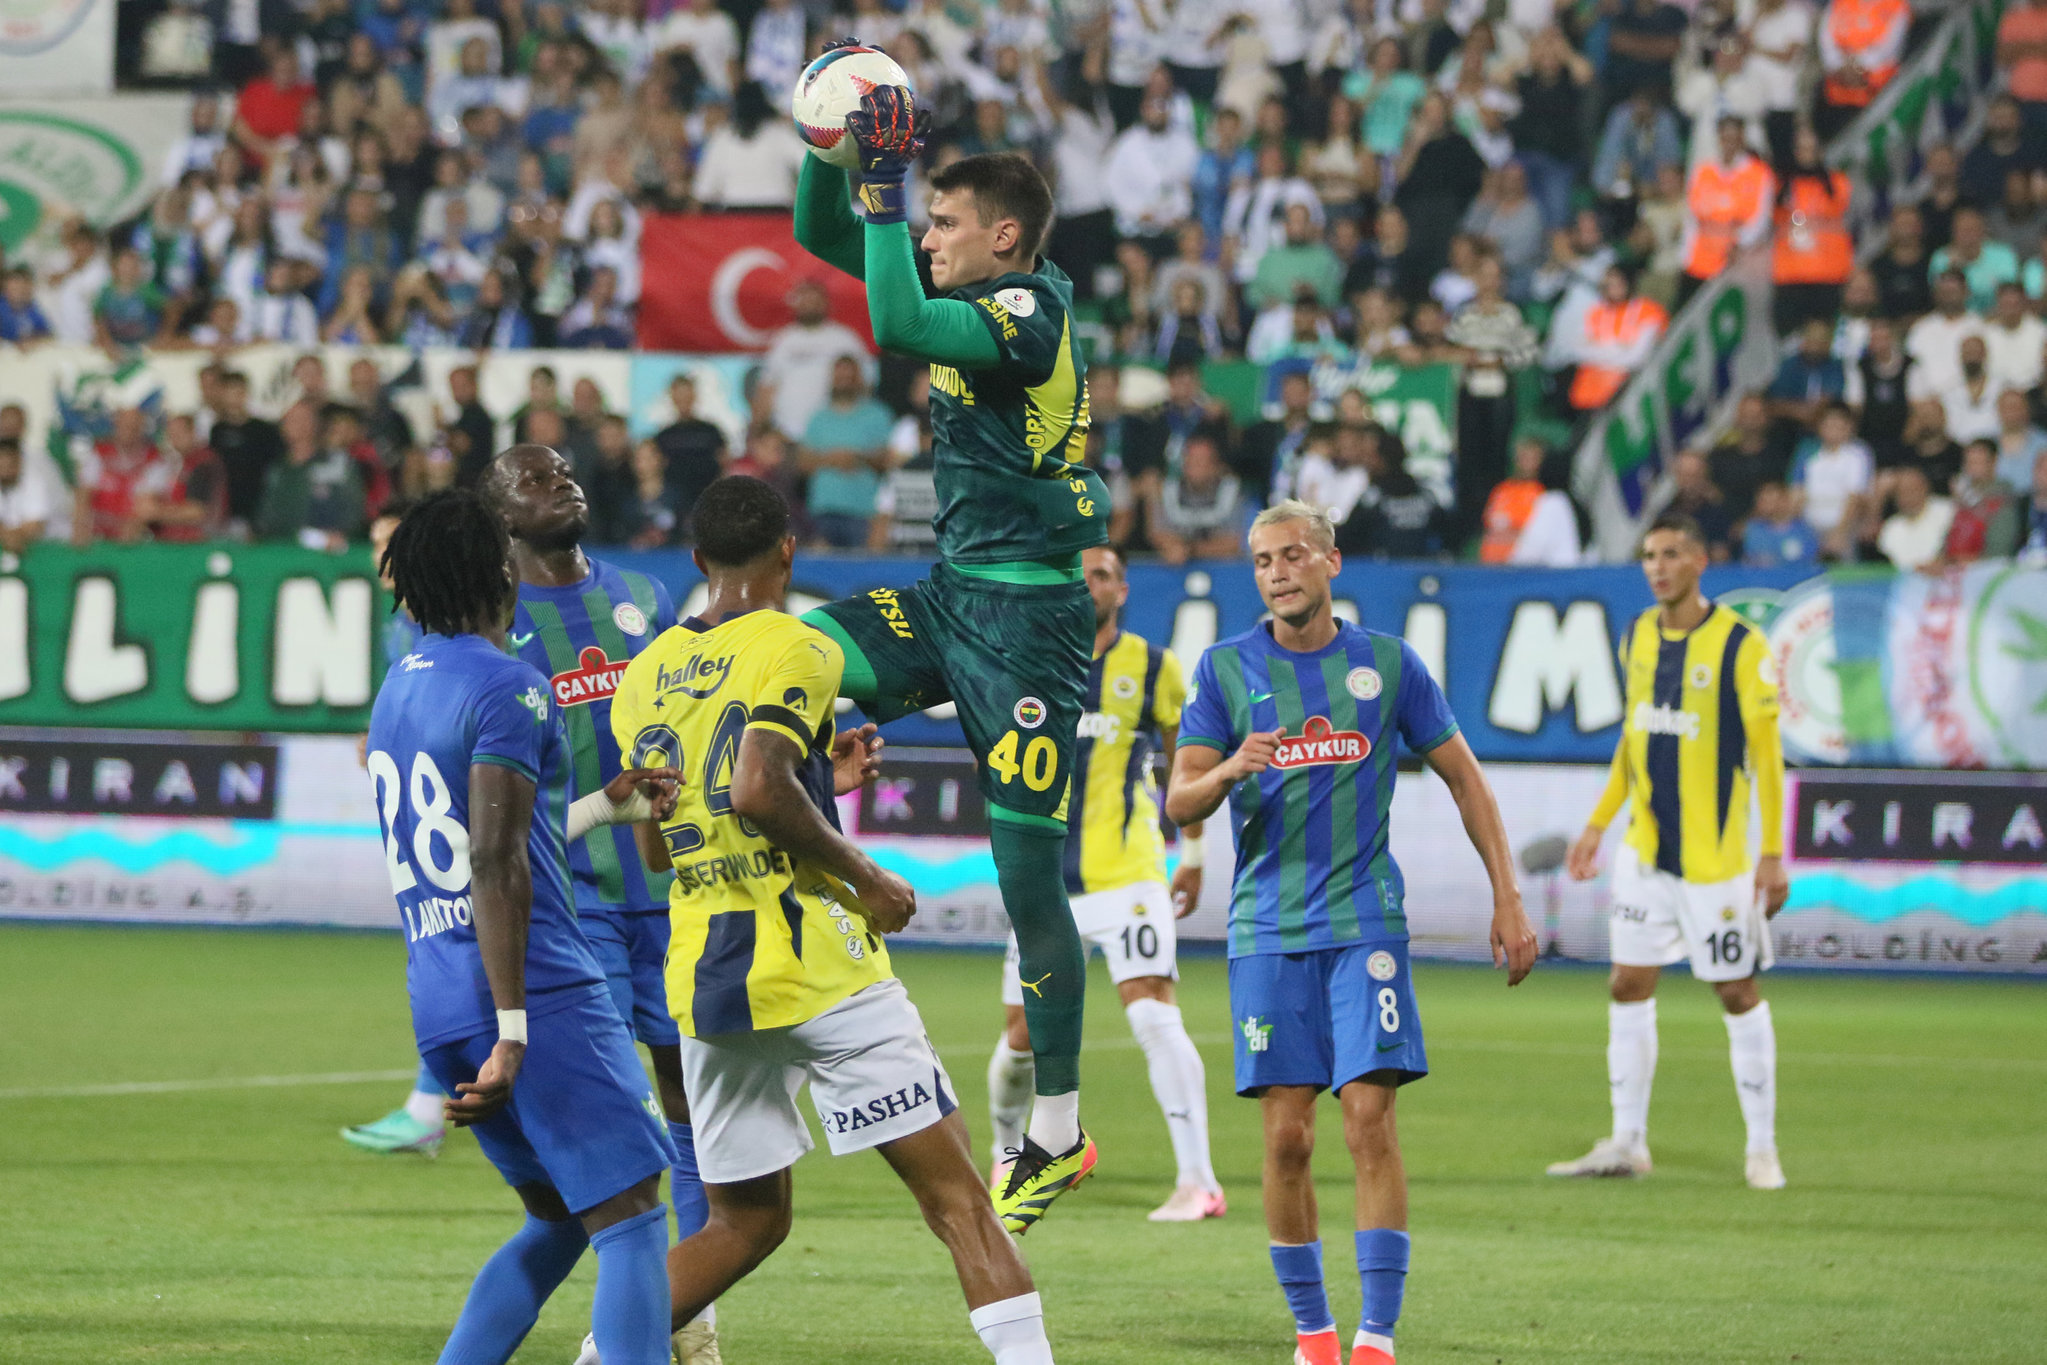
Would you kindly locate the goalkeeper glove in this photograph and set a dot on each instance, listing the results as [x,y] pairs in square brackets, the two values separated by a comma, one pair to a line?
[888,132]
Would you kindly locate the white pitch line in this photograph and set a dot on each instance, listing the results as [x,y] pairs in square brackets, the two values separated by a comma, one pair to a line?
[79,1092]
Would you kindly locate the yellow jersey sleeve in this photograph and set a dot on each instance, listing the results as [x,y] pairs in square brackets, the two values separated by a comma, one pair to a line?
[798,690]
[631,705]
[1169,695]
[1755,689]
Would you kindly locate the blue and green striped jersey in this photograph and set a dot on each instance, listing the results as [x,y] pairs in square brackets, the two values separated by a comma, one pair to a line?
[581,638]
[1314,869]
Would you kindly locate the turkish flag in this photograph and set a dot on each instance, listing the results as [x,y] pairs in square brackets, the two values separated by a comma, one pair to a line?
[721,281]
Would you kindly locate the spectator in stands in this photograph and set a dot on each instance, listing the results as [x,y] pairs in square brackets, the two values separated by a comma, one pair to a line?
[796,371]
[1639,140]
[199,146]
[1903,288]
[596,320]
[1729,198]
[1935,341]
[2014,338]
[1515,510]
[1777,36]
[845,452]
[1390,262]
[279,312]
[1340,168]
[193,505]
[316,494]
[1259,217]
[22,321]
[1914,535]
[1301,261]
[653,514]
[2022,52]
[1641,47]
[1983,264]
[472,432]
[1335,479]
[2003,148]
[1439,174]
[1809,378]
[353,321]
[1986,509]
[1692,493]
[2031,549]
[1715,81]
[74,286]
[1549,137]
[750,164]
[1861,43]
[1493,344]
[497,322]
[1833,477]
[1397,516]
[1151,177]
[113,480]
[130,312]
[1270,453]
[1928,445]
[1188,330]
[25,506]
[267,110]
[385,428]
[1775,535]
[2017,441]
[606,475]
[1972,404]
[1507,218]
[1751,454]
[693,448]
[247,445]
[2018,219]
[1880,387]
[1812,254]
[1614,341]
[1198,512]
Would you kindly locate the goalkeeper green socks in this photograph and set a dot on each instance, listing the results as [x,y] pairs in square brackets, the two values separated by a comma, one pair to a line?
[1029,864]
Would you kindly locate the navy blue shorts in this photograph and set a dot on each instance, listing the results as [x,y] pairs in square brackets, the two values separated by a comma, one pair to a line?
[632,948]
[1325,1018]
[582,1118]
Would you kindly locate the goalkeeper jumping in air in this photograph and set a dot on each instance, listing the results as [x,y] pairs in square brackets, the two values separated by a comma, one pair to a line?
[1003,627]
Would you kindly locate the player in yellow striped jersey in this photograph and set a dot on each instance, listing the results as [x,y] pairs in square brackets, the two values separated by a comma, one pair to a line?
[1116,882]
[776,970]
[1699,735]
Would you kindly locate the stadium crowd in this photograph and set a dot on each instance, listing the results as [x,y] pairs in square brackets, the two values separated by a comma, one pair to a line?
[1525,190]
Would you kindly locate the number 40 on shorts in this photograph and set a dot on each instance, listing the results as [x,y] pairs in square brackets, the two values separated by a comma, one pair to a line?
[1039,766]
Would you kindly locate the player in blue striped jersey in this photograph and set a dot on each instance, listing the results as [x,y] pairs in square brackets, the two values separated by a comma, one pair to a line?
[580,621]
[1300,722]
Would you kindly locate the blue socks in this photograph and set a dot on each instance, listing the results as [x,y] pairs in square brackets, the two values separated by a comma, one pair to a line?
[685,1186]
[427,1083]
[1382,1269]
[1299,1269]
[505,1301]
[630,1316]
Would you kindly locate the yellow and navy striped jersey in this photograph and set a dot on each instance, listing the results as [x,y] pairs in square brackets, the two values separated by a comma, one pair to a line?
[1135,688]
[760,940]
[1700,731]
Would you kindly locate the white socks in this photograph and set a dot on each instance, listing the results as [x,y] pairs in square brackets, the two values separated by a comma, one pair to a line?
[1631,1066]
[1180,1083]
[424,1107]
[1013,1330]
[1752,1049]
[1055,1122]
[1011,1078]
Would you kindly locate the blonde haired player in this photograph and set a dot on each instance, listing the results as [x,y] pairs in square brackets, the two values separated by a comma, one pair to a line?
[1700,734]
[1115,870]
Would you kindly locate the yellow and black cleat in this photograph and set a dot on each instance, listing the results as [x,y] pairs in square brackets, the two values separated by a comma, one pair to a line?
[1037,1178]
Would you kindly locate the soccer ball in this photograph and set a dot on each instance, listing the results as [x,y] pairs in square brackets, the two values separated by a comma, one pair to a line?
[829,89]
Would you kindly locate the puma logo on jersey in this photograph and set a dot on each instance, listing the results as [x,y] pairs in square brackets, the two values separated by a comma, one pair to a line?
[1032,986]
[1318,744]
[1666,720]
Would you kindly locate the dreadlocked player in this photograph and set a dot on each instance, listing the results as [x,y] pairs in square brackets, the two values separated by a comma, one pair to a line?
[1003,627]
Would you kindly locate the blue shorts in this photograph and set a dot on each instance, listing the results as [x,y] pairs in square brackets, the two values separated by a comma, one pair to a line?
[632,948]
[1325,1018]
[582,1119]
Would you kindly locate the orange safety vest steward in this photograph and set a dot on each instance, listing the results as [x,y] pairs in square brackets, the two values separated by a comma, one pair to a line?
[1863,26]
[1507,510]
[1812,244]
[1722,201]
[1611,329]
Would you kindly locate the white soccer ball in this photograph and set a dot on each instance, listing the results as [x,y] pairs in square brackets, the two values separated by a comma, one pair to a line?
[832,87]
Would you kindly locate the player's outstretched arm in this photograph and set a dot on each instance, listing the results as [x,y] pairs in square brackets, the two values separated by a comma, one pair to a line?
[501,907]
[1187,876]
[1202,777]
[1583,860]
[1756,687]
[1513,941]
[825,225]
[949,331]
[636,794]
[767,793]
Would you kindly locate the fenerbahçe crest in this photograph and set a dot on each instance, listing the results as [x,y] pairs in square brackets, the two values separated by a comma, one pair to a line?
[1317,745]
[596,680]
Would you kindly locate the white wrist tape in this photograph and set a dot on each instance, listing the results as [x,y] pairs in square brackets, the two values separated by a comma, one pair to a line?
[511,1026]
[597,809]
[1192,853]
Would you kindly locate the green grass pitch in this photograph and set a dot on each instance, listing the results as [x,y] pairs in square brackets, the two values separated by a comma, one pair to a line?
[232,1224]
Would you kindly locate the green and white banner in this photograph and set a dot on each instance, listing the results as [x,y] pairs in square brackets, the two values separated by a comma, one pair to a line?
[96,159]
[56,47]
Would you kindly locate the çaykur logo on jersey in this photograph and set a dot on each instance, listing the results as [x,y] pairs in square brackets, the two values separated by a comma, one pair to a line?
[1319,745]
[595,680]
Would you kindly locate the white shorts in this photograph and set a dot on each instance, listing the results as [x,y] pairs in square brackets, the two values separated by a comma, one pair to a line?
[1132,925]
[1659,919]
[874,1077]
